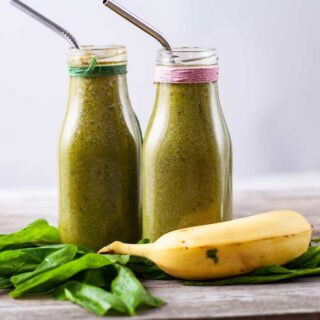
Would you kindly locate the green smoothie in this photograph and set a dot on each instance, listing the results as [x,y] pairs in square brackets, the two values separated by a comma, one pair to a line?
[99,155]
[186,160]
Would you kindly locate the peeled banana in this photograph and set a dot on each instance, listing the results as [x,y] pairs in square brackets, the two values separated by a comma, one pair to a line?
[225,249]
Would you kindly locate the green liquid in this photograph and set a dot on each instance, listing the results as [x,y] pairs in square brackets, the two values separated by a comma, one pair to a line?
[186,161]
[99,156]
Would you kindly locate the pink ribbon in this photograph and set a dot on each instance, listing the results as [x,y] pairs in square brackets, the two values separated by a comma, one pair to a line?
[186,75]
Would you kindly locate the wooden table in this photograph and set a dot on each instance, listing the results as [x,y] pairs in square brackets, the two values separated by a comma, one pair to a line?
[298,299]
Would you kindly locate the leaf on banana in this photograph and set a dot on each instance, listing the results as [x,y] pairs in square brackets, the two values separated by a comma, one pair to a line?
[310,259]
[145,268]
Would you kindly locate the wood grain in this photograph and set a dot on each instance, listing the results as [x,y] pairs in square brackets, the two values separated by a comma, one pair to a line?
[297,299]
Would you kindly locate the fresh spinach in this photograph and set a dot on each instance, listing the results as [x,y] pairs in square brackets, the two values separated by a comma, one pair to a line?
[37,233]
[145,268]
[32,261]
[5,283]
[23,260]
[91,291]
[97,277]
[310,259]
[53,260]
[90,297]
[131,291]
[50,279]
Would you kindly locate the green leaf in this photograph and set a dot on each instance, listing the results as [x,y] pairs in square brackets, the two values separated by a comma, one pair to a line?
[36,233]
[146,269]
[52,278]
[263,275]
[270,270]
[51,261]
[23,260]
[5,283]
[90,297]
[95,277]
[144,241]
[315,240]
[310,259]
[127,287]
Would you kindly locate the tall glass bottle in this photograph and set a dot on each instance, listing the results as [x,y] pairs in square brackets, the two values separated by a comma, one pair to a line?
[187,157]
[99,152]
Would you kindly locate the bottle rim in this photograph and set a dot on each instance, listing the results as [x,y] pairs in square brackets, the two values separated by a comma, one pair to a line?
[104,55]
[187,56]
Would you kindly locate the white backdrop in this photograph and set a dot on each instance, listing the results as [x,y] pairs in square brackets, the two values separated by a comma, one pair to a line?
[269,86]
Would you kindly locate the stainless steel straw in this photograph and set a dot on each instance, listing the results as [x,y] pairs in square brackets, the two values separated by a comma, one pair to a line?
[47,22]
[137,22]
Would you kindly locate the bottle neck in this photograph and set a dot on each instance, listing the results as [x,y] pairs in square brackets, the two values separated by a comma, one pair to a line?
[184,98]
[99,91]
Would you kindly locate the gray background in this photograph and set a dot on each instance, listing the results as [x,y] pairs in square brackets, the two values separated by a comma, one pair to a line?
[269,86]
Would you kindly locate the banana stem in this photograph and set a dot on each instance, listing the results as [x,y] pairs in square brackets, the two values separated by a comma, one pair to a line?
[140,250]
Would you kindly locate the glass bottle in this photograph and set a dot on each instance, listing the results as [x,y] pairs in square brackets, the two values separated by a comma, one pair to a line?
[187,156]
[99,152]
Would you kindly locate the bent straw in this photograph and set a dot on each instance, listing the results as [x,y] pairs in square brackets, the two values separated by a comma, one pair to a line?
[46,22]
[137,22]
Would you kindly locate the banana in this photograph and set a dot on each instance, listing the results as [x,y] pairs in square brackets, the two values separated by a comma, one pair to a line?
[225,249]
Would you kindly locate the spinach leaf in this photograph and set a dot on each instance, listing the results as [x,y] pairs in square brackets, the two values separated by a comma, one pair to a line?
[5,283]
[23,260]
[127,293]
[256,279]
[37,233]
[90,297]
[146,269]
[95,277]
[29,264]
[309,259]
[53,260]
[127,287]
[270,270]
[144,241]
[49,279]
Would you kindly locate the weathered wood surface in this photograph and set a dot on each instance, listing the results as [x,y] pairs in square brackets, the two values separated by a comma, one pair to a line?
[291,300]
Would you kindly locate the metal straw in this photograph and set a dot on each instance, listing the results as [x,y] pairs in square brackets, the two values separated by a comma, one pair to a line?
[47,22]
[137,22]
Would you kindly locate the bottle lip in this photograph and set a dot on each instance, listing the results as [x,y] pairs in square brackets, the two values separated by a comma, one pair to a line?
[104,55]
[187,56]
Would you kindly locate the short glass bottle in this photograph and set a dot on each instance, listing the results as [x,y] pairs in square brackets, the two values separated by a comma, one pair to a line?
[187,156]
[99,152]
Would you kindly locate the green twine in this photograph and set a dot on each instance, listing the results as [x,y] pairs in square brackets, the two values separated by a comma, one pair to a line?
[92,65]
[97,71]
